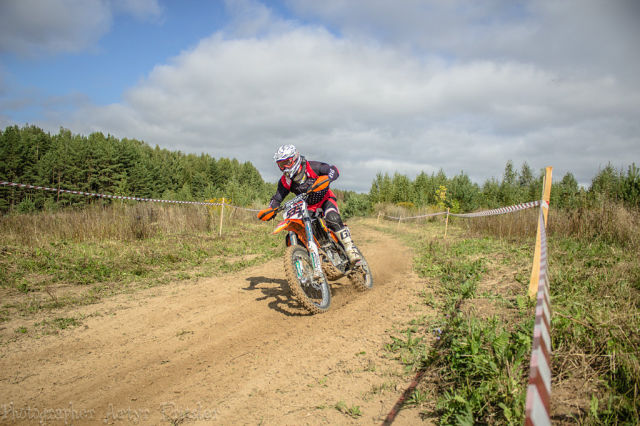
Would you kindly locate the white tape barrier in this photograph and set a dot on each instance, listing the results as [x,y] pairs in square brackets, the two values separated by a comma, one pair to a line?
[501,210]
[539,391]
[121,197]
[415,217]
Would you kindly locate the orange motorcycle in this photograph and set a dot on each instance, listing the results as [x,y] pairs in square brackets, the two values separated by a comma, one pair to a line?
[314,254]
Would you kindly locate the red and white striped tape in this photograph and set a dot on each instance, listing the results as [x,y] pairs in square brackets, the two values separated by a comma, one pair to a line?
[537,411]
[501,210]
[120,197]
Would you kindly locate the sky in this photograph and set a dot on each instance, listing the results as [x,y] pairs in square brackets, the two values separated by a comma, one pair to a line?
[372,86]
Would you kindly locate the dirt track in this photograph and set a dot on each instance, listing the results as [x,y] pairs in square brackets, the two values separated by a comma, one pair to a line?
[232,349]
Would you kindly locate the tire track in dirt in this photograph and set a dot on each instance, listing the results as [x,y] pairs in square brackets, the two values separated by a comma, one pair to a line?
[230,349]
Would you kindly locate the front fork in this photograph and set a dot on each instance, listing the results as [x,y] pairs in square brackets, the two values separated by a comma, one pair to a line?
[313,250]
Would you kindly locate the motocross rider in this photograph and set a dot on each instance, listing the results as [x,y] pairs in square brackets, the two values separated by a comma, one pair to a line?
[298,174]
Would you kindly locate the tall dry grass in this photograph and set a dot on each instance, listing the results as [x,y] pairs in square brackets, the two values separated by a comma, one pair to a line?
[522,224]
[399,210]
[610,222]
[122,222]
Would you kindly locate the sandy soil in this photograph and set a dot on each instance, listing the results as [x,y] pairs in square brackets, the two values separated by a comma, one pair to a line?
[233,349]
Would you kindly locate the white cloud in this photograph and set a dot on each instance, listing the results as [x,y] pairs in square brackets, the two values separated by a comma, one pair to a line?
[361,104]
[573,37]
[32,27]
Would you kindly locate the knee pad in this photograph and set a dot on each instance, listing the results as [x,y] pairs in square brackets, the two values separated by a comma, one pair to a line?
[334,221]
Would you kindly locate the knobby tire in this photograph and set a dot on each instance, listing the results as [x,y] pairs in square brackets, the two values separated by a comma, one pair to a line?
[362,281]
[292,254]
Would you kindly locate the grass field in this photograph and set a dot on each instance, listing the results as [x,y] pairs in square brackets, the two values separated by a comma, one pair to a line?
[478,369]
[477,280]
[55,260]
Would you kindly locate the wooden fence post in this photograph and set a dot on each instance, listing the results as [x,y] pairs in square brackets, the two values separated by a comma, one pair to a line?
[446,224]
[221,217]
[535,269]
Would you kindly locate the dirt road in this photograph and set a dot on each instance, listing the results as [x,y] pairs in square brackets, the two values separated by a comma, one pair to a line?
[233,349]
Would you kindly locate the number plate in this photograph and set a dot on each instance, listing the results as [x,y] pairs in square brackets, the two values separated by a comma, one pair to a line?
[295,212]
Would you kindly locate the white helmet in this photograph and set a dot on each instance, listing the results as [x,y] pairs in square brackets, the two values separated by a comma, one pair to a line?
[289,161]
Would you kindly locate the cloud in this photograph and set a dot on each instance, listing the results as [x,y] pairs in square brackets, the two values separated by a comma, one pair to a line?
[365,105]
[572,36]
[33,27]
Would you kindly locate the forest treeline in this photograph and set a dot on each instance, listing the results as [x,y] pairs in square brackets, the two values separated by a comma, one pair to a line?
[106,164]
[460,194]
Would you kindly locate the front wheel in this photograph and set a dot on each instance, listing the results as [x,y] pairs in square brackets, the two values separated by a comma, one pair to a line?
[361,276]
[312,293]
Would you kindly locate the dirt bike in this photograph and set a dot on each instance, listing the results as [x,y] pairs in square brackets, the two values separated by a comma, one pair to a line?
[314,254]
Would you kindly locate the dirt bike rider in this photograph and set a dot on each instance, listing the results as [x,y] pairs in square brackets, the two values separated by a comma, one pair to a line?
[298,174]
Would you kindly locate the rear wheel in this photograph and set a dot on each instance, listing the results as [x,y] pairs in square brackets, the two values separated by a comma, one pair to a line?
[331,272]
[312,293]
[361,276]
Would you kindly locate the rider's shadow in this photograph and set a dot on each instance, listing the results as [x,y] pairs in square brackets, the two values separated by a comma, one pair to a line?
[282,301]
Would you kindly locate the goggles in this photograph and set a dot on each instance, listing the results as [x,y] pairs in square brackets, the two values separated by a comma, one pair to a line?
[286,163]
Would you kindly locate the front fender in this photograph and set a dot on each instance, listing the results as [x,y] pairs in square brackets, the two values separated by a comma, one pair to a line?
[292,225]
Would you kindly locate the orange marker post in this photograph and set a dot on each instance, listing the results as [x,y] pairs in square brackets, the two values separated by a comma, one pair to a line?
[535,269]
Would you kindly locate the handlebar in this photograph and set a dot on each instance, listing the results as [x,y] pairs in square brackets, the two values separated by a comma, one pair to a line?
[292,201]
[320,184]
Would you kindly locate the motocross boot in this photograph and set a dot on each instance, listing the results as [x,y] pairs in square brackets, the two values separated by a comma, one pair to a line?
[344,235]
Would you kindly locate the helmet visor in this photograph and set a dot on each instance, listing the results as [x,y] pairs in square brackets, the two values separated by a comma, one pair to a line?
[287,163]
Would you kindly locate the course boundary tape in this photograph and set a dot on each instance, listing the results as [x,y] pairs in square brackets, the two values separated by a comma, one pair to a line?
[501,210]
[120,197]
[493,212]
[416,217]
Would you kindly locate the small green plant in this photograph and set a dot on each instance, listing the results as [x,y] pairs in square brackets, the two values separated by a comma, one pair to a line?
[319,382]
[417,397]
[23,287]
[63,323]
[353,411]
